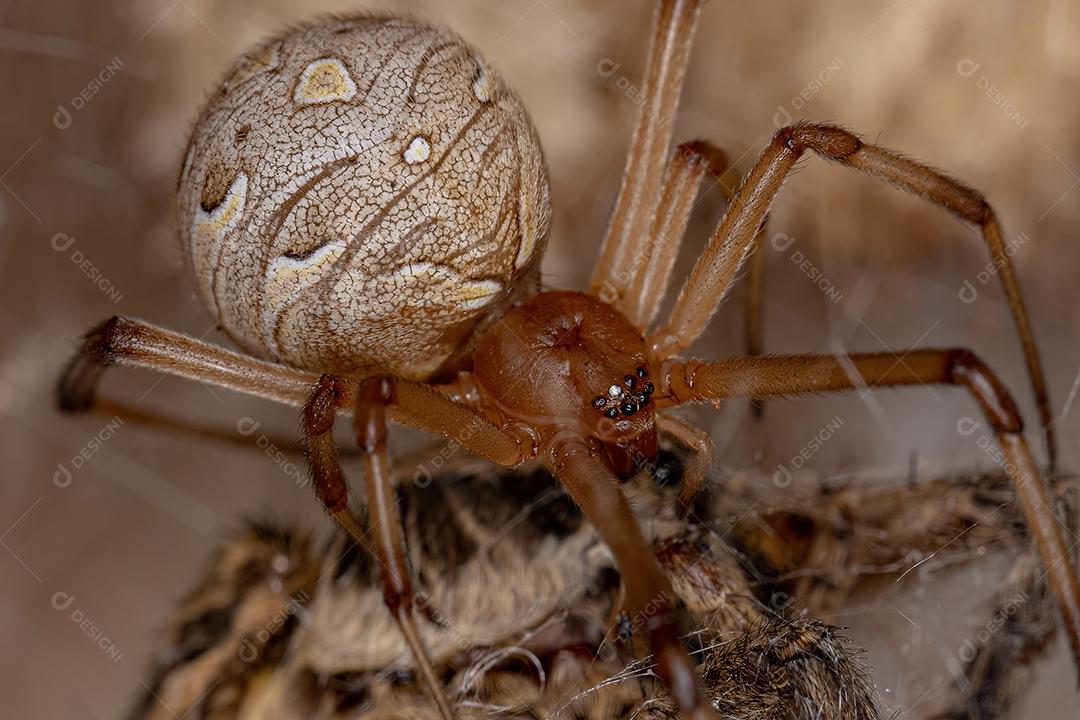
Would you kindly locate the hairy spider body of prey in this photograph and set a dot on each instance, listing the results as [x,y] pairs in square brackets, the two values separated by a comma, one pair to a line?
[363,206]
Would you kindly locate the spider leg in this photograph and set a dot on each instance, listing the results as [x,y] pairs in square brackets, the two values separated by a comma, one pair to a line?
[665,70]
[384,542]
[131,342]
[650,272]
[844,534]
[196,430]
[700,461]
[883,529]
[370,424]
[649,597]
[122,341]
[426,407]
[733,239]
[995,672]
[754,327]
[872,529]
[755,307]
[686,381]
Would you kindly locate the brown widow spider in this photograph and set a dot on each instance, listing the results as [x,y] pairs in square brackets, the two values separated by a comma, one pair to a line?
[363,204]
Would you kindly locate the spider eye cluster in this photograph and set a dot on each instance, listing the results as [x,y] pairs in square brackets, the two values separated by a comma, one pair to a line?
[626,397]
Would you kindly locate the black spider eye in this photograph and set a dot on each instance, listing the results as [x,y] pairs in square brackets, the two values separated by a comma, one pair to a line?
[630,381]
[642,372]
[629,407]
[612,412]
[649,388]
[599,401]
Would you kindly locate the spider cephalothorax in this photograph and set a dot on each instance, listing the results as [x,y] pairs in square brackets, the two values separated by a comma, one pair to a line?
[363,198]
[549,362]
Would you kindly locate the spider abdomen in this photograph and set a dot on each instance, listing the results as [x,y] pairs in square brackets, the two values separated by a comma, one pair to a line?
[358,194]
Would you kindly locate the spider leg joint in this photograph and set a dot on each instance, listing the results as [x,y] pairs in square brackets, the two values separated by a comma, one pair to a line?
[831,141]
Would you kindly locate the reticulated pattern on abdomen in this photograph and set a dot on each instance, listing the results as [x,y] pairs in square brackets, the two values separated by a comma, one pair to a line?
[358,194]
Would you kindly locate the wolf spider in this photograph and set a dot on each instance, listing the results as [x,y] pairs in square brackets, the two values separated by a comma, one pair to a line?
[342,276]
[313,640]
[278,627]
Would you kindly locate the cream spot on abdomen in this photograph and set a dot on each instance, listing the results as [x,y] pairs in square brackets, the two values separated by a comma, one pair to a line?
[287,276]
[478,293]
[418,151]
[528,234]
[210,228]
[483,86]
[323,81]
[430,284]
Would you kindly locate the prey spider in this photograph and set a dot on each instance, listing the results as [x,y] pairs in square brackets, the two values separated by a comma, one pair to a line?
[314,641]
[278,626]
[363,206]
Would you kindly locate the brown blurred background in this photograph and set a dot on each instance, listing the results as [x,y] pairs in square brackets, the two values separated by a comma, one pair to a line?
[110,523]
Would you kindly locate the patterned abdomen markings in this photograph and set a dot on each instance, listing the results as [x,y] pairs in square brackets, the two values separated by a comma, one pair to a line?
[358,194]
